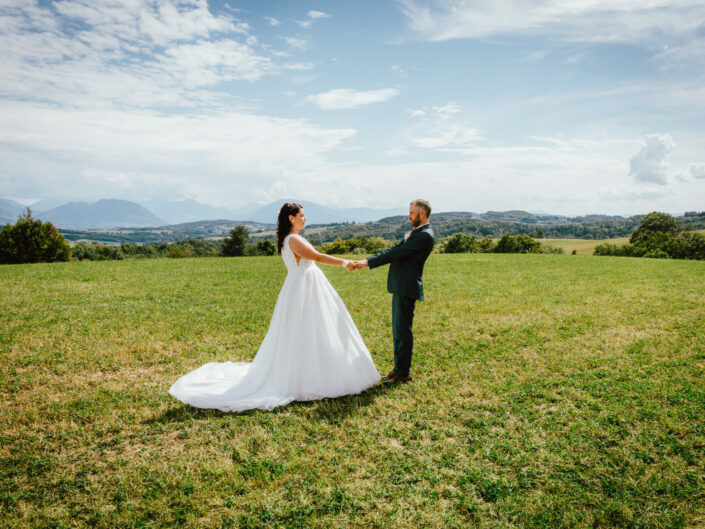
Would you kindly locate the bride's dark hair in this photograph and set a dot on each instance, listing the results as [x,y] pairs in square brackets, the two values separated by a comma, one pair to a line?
[283,222]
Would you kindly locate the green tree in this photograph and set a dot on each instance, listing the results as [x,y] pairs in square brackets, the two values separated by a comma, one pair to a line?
[30,240]
[654,222]
[235,244]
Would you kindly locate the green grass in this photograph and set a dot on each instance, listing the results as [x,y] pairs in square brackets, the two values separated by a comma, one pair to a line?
[551,391]
[581,246]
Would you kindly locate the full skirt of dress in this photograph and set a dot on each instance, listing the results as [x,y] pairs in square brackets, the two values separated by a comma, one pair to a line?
[311,351]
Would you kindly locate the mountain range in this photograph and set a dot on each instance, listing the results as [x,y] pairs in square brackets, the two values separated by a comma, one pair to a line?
[112,213]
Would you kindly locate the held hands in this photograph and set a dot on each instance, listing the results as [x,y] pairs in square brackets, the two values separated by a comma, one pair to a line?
[355,265]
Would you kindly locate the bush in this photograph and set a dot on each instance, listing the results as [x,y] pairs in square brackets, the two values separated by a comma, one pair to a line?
[486,245]
[517,244]
[460,243]
[557,250]
[261,247]
[96,252]
[236,243]
[180,250]
[30,240]
[357,245]
[266,247]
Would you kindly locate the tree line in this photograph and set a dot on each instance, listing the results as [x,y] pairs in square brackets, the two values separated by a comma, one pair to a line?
[659,235]
[30,240]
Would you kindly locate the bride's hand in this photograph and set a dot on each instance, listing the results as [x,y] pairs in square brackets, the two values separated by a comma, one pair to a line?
[350,265]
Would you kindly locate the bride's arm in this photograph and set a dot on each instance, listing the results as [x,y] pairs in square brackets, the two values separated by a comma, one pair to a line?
[303,248]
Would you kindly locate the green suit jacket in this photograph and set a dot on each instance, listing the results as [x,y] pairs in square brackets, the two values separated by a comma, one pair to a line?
[407,259]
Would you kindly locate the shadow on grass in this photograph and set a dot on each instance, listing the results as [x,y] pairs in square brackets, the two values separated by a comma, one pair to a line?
[336,410]
[328,410]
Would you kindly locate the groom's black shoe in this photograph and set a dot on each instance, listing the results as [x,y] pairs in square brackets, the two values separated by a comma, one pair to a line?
[391,375]
[400,379]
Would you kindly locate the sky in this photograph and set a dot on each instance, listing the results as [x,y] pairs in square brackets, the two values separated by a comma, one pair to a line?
[571,108]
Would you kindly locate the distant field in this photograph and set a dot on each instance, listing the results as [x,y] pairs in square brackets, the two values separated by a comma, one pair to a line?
[581,246]
[586,246]
[550,391]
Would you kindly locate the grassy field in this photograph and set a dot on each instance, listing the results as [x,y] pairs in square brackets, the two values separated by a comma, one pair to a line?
[581,246]
[586,246]
[551,391]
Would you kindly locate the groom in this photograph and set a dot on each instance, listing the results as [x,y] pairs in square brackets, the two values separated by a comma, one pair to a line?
[404,283]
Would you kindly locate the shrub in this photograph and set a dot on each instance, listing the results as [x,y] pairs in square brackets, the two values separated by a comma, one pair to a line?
[548,249]
[266,247]
[180,250]
[30,240]
[357,245]
[486,245]
[517,244]
[460,243]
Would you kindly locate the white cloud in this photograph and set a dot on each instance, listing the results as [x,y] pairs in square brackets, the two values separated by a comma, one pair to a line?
[182,47]
[447,110]
[650,164]
[144,153]
[296,42]
[697,170]
[536,56]
[312,16]
[346,98]
[142,20]
[317,14]
[207,63]
[272,21]
[631,21]
[439,128]
[625,194]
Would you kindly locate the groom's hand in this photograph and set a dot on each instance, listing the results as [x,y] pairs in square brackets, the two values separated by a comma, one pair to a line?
[360,264]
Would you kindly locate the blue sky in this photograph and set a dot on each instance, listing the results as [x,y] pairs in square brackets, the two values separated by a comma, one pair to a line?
[571,108]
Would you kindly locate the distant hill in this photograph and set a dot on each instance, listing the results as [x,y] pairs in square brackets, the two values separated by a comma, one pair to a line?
[10,210]
[180,211]
[319,214]
[496,225]
[122,213]
[209,229]
[105,213]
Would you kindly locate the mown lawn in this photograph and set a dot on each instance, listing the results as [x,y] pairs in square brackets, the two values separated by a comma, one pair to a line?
[551,391]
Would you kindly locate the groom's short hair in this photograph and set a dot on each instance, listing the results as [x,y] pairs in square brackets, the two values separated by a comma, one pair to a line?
[420,203]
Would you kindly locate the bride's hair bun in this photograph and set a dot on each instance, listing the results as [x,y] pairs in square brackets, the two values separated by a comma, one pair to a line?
[283,222]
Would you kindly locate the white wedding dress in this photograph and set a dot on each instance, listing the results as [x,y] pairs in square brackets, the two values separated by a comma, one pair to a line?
[312,350]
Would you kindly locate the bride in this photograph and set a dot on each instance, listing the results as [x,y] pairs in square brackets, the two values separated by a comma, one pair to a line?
[312,349]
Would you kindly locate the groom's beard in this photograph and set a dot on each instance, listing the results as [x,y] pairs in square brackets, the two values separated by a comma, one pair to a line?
[416,221]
